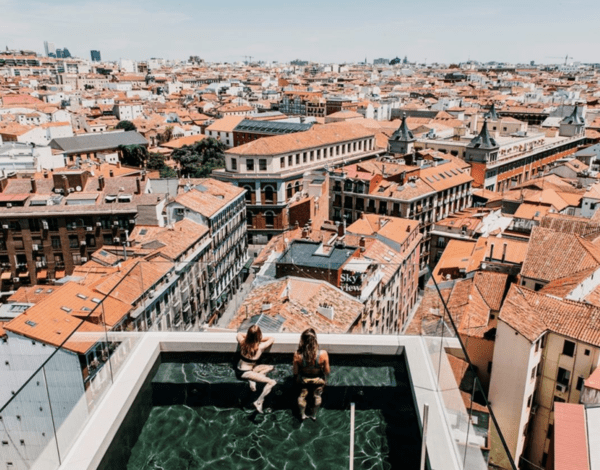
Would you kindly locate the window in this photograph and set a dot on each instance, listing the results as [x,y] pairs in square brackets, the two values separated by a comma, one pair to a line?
[76,258]
[304,157]
[73,241]
[234,164]
[269,219]
[250,164]
[282,162]
[248,194]
[298,159]
[55,242]
[569,348]
[262,164]
[290,160]
[550,431]
[563,376]
[537,286]
[107,239]
[557,399]
[579,386]
[533,373]
[529,400]
[586,352]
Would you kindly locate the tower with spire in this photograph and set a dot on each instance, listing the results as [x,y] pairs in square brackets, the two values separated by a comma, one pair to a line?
[402,141]
[491,115]
[483,148]
[573,125]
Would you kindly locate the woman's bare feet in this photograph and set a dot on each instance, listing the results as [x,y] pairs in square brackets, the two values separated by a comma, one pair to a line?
[258,406]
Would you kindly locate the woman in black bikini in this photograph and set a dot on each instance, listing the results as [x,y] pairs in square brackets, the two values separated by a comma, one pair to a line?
[311,369]
[252,345]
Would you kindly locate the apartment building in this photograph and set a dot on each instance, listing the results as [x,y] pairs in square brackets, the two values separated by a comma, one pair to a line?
[374,260]
[546,347]
[272,169]
[222,208]
[426,193]
[500,162]
[52,224]
[303,103]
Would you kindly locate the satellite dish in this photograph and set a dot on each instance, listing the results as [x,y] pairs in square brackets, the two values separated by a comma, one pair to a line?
[78,189]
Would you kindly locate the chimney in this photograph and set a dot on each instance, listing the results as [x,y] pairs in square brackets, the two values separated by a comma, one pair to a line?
[341,229]
[101,182]
[46,175]
[65,182]
[362,215]
[144,175]
[118,164]
[362,244]
[33,185]
[138,186]
[491,252]
[504,252]
[305,233]
[111,173]
[408,228]
[296,224]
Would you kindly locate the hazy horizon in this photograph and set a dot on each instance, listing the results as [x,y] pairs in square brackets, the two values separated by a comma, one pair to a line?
[431,31]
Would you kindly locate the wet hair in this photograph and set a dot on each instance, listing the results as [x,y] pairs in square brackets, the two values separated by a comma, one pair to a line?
[250,344]
[308,347]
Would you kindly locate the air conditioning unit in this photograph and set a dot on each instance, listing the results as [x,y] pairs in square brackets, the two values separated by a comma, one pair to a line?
[35,247]
[89,229]
[534,409]
[151,293]
[98,224]
[116,240]
[84,259]
[132,221]
[83,243]
[15,279]
[561,388]
[8,204]
[45,224]
[5,226]
[116,223]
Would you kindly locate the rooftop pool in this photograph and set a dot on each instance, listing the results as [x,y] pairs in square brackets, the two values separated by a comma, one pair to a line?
[192,413]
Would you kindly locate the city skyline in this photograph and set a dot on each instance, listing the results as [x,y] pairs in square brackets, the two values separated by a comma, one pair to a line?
[456,33]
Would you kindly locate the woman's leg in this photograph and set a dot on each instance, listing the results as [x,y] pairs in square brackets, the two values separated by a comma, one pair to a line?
[263,369]
[269,384]
[302,402]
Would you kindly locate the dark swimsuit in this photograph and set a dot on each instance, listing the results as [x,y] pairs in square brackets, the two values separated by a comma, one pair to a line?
[310,373]
[239,372]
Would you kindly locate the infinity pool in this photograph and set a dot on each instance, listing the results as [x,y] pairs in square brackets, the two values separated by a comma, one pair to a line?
[200,417]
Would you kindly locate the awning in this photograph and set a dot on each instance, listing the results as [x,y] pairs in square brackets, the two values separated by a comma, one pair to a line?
[25,274]
[42,274]
[248,264]
[59,275]
[6,275]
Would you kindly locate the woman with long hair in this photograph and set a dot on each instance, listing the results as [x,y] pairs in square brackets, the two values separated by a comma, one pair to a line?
[311,369]
[252,345]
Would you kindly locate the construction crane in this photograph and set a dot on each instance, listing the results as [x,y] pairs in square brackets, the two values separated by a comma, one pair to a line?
[248,59]
[567,57]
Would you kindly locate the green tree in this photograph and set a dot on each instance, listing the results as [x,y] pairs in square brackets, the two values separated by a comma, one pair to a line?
[200,159]
[168,172]
[134,155]
[156,161]
[126,126]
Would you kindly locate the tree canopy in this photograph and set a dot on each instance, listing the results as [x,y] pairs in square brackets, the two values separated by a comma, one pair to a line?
[126,126]
[201,158]
[134,155]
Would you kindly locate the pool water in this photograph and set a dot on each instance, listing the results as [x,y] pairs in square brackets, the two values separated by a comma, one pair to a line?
[202,418]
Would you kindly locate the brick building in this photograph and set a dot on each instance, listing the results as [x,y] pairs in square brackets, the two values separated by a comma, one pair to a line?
[273,170]
[53,224]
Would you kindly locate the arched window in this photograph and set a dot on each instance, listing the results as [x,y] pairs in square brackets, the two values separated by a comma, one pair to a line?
[269,194]
[269,219]
[250,219]
[248,194]
[297,186]
[289,191]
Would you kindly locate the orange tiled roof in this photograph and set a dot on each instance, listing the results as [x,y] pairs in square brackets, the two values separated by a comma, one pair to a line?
[570,437]
[533,313]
